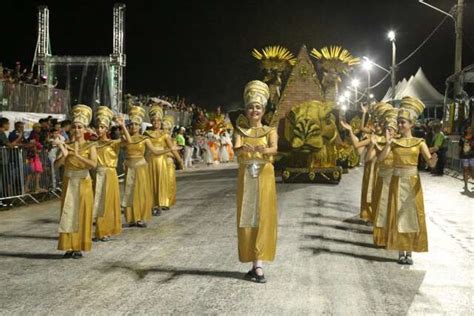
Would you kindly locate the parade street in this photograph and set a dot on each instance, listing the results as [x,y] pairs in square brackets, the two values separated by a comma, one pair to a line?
[186,261]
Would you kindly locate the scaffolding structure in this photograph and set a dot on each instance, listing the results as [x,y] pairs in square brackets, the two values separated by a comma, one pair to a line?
[116,62]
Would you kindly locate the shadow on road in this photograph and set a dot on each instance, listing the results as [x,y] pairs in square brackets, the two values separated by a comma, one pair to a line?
[320,250]
[339,227]
[171,272]
[43,256]
[342,241]
[351,220]
[28,236]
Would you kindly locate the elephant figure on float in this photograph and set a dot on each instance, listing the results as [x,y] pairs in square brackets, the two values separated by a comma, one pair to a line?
[311,129]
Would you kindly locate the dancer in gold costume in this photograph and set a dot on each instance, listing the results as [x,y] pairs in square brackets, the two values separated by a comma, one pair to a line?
[256,193]
[369,176]
[406,225]
[169,176]
[137,198]
[163,184]
[107,192]
[75,225]
[384,176]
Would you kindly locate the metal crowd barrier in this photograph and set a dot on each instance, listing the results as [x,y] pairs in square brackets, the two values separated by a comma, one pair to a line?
[453,161]
[19,182]
[22,97]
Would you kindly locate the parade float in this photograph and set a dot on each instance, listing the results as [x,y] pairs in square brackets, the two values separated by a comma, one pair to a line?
[306,113]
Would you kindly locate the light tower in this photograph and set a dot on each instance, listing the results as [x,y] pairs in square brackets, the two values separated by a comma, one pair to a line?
[118,58]
[43,46]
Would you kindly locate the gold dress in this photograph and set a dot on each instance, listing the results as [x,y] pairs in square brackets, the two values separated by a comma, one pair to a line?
[257,232]
[107,193]
[161,174]
[380,195]
[137,198]
[368,182]
[406,228]
[75,225]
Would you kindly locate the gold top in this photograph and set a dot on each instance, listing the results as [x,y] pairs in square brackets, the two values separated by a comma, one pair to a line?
[136,114]
[388,161]
[155,111]
[107,153]
[72,162]
[157,138]
[255,136]
[256,91]
[136,149]
[81,113]
[410,108]
[104,115]
[406,151]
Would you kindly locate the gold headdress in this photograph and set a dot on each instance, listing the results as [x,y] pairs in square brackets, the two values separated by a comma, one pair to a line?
[390,118]
[410,108]
[155,111]
[136,114]
[81,113]
[256,91]
[380,109]
[104,115]
[168,122]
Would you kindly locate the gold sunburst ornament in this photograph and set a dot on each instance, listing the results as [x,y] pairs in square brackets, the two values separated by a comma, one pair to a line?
[275,58]
[335,57]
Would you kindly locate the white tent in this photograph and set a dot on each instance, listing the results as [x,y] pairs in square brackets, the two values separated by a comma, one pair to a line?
[417,86]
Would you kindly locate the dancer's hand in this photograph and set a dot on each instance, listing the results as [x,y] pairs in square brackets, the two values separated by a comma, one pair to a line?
[346,126]
[248,148]
[373,139]
[259,149]
[388,136]
[363,108]
[120,120]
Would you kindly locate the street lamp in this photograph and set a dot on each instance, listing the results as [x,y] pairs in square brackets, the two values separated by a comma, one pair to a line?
[391,36]
[355,84]
[367,66]
[347,94]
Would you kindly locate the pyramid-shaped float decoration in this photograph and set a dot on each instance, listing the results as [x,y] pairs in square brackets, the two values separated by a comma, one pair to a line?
[302,85]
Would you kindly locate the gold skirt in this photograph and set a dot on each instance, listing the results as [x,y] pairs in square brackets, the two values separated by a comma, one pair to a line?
[259,243]
[368,181]
[171,182]
[380,205]
[109,219]
[406,228]
[161,180]
[81,239]
[140,209]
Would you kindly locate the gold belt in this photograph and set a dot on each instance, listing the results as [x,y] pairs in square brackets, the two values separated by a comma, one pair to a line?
[83,173]
[405,172]
[134,163]
[385,172]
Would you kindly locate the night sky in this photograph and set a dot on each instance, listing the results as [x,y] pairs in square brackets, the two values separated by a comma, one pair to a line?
[201,49]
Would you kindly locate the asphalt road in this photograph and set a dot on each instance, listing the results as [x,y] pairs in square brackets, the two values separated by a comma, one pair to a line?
[186,261]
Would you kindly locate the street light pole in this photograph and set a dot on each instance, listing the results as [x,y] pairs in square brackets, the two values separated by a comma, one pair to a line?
[391,36]
[458,52]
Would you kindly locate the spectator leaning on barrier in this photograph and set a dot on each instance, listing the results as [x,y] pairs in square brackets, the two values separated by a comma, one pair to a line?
[65,128]
[4,127]
[439,147]
[466,154]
